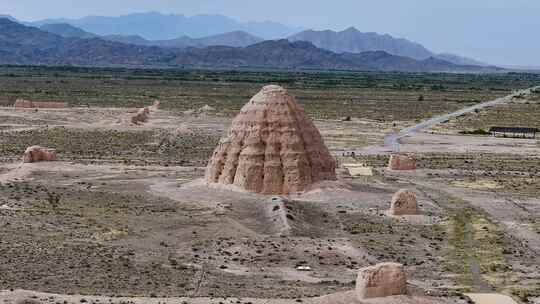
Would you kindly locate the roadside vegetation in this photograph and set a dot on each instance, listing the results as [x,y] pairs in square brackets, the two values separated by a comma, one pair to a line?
[325,95]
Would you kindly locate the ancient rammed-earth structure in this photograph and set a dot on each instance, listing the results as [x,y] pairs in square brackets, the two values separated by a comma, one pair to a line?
[404,203]
[400,161]
[271,148]
[381,280]
[37,153]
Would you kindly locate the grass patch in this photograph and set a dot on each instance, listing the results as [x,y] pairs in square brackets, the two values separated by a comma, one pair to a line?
[113,145]
[476,247]
[326,95]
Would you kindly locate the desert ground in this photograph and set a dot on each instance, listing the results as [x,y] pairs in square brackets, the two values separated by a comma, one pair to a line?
[123,215]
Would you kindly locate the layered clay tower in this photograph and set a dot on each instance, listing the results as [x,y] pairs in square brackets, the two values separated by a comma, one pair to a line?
[271,148]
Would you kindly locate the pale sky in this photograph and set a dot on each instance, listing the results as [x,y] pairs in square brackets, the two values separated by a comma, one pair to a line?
[504,32]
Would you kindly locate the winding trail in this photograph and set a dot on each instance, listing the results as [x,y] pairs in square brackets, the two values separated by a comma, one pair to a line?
[392,140]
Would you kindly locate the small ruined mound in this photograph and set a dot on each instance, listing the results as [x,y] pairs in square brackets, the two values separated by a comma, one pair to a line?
[155,106]
[206,109]
[271,148]
[37,153]
[381,280]
[404,203]
[27,104]
[141,116]
[400,161]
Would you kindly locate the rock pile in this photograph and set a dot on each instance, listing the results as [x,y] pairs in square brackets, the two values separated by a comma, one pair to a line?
[27,104]
[404,203]
[141,116]
[155,105]
[381,280]
[271,148]
[400,161]
[37,153]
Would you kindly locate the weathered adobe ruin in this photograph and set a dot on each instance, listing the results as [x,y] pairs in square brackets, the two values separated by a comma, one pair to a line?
[155,106]
[37,154]
[404,203]
[27,104]
[381,280]
[272,147]
[401,161]
[141,116]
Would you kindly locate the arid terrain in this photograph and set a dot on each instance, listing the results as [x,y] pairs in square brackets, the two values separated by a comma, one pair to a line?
[124,217]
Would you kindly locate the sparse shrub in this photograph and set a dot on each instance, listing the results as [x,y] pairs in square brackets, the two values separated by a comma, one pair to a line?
[53,199]
[475,132]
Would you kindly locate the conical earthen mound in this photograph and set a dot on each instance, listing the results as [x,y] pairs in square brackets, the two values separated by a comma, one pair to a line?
[272,148]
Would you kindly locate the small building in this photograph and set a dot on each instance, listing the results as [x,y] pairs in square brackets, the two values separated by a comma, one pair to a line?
[516,132]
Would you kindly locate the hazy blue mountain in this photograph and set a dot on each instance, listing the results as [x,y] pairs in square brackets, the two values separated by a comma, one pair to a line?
[9,17]
[304,55]
[21,44]
[459,59]
[156,29]
[352,40]
[235,39]
[157,26]
[66,30]
[127,39]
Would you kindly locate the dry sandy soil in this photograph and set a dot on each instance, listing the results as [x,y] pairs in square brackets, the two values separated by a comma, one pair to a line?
[123,216]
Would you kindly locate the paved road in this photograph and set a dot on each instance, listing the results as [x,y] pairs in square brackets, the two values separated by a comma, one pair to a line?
[392,140]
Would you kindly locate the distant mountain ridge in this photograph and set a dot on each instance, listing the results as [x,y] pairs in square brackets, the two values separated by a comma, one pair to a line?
[67,30]
[352,40]
[21,44]
[459,59]
[180,31]
[236,38]
[157,26]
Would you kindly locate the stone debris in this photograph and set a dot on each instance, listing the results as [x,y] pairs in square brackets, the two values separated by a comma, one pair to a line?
[400,161]
[356,170]
[381,280]
[271,148]
[27,104]
[155,105]
[404,203]
[141,116]
[206,108]
[303,268]
[37,154]
[490,298]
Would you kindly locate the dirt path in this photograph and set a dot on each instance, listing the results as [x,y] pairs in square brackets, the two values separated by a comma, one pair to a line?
[392,140]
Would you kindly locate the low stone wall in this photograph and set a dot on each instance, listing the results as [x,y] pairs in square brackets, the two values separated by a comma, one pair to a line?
[27,104]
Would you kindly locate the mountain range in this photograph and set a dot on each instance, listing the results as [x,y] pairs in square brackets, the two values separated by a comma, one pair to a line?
[352,40]
[157,26]
[156,29]
[171,30]
[236,38]
[20,44]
